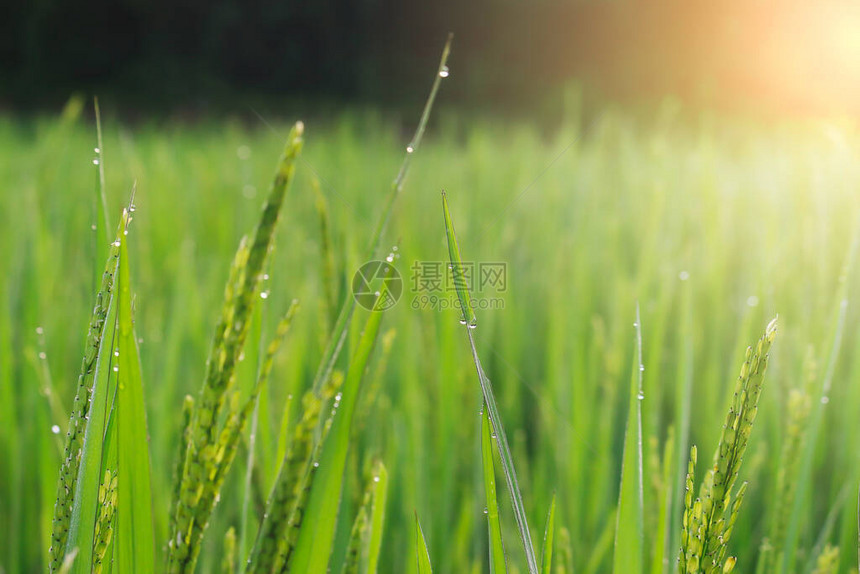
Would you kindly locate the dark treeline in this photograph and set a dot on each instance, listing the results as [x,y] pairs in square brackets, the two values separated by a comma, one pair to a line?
[508,53]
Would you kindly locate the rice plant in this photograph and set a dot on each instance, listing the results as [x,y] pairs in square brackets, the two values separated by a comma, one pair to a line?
[709,519]
[321,433]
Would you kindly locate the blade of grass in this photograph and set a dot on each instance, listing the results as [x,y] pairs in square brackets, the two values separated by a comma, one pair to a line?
[421,550]
[629,535]
[377,519]
[102,224]
[497,547]
[548,534]
[457,270]
[341,327]
[315,539]
[468,318]
[135,542]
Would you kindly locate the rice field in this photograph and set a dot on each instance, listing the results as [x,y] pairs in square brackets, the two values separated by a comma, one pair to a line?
[619,268]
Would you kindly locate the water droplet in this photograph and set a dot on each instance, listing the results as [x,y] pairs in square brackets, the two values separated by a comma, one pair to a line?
[752,301]
[635,324]
[39,331]
[409,149]
[394,248]
[376,293]
[390,258]
[493,435]
[444,72]
[641,368]
[486,511]
[42,355]
[641,396]
[97,150]
[265,276]
[683,275]
[316,465]
[125,232]
[116,353]
[116,368]
[55,429]
[264,295]
[462,321]
[132,208]
[473,324]
[375,479]
[96,161]
[825,399]
[93,226]
[116,243]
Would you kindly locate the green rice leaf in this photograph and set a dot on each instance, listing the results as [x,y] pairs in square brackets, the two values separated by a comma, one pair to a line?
[347,309]
[468,318]
[457,269]
[135,542]
[549,531]
[102,223]
[421,550]
[629,531]
[315,539]
[377,518]
[497,547]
